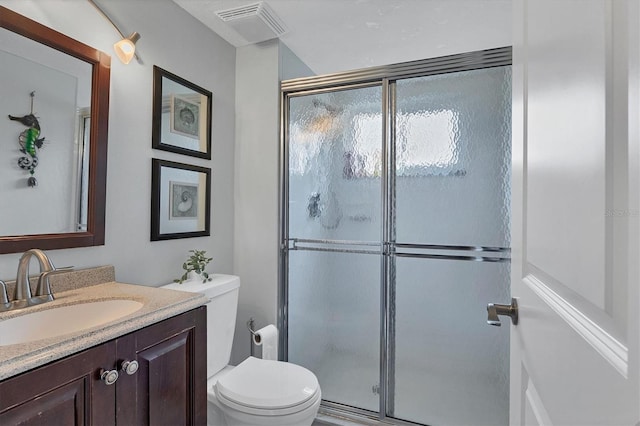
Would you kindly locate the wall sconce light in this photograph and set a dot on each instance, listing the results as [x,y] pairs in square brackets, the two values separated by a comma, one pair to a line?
[125,48]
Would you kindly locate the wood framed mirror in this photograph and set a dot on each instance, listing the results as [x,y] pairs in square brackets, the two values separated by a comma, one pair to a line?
[84,216]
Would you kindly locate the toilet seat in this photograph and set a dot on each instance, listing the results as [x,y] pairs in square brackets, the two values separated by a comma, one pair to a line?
[267,388]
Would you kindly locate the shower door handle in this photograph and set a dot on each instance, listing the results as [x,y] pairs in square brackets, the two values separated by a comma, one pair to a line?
[495,309]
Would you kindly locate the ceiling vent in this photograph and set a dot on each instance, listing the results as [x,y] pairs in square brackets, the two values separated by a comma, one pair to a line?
[255,22]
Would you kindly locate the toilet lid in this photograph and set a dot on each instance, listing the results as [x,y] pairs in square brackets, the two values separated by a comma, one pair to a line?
[266,384]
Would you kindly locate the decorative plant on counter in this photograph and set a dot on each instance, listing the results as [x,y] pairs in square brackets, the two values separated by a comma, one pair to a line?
[196,263]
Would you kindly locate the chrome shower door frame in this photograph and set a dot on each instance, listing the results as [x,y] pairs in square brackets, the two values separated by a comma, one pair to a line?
[387,249]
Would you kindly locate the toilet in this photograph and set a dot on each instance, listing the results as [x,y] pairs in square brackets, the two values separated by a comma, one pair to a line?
[256,391]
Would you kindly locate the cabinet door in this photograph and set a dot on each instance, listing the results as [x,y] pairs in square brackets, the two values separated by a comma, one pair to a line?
[169,387]
[65,392]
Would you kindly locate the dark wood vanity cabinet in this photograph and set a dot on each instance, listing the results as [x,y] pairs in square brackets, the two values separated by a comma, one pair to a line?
[168,388]
[65,392]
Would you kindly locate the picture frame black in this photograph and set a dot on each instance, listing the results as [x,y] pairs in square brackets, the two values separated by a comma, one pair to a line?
[182,115]
[180,200]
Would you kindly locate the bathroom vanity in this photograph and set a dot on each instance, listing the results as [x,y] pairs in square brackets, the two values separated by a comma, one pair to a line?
[146,367]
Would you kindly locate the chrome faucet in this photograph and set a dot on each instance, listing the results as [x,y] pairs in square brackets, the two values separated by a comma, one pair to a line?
[23,285]
[23,296]
[4,298]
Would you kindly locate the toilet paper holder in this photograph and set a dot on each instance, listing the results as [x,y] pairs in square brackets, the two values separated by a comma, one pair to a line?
[252,330]
[265,337]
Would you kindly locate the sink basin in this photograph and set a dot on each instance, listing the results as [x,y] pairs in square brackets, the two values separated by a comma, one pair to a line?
[63,320]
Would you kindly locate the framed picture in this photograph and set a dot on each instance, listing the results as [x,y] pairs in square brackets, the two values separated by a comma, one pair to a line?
[180,200]
[181,115]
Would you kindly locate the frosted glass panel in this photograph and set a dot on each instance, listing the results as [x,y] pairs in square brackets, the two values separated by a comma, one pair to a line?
[334,323]
[452,175]
[453,158]
[451,367]
[335,159]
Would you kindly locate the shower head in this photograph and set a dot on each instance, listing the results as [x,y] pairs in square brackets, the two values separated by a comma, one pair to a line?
[329,108]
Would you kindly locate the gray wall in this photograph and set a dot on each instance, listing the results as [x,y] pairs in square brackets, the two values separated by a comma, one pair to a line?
[259,67]
[177,42]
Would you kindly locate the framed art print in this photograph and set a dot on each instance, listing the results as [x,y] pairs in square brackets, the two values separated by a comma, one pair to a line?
[181,115]
[180,200]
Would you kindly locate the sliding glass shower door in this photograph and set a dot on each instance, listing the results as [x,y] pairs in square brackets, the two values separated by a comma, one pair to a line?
[452,191]
[396,236]
[334,207]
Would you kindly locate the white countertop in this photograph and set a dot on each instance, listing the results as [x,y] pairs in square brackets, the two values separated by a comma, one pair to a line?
[158,304]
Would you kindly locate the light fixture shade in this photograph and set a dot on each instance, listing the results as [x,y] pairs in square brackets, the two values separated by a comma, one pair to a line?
[126,48]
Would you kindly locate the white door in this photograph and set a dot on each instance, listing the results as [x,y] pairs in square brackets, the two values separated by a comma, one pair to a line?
[574,354]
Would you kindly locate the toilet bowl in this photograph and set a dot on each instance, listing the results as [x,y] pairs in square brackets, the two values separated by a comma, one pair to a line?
[264,392]
[256,391]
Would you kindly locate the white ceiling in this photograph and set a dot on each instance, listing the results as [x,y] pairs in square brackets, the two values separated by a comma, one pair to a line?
[339,35]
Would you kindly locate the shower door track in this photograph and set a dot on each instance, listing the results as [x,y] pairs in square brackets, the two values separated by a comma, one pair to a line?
[387,248]
[480,59]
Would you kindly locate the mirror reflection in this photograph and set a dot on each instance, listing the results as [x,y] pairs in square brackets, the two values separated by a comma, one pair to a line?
[45,142]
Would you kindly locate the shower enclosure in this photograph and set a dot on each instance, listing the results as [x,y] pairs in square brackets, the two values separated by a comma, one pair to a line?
[395,236]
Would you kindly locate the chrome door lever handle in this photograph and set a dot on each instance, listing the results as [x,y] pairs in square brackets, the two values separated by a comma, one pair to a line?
[495,309]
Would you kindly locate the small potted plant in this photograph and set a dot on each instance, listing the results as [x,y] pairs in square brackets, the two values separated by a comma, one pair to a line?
[194,267]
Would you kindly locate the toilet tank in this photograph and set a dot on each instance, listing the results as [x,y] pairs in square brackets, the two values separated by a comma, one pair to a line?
[222,292]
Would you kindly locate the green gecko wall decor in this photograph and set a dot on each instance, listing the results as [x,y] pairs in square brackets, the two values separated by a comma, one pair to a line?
[30,142]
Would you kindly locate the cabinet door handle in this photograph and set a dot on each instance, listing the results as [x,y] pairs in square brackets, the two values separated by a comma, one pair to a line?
[129,367]
[109,377]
